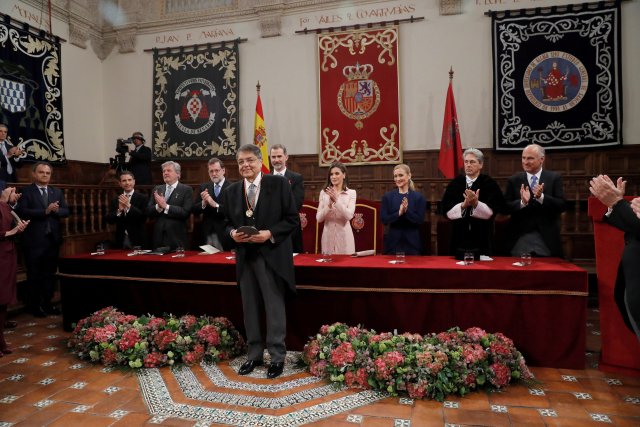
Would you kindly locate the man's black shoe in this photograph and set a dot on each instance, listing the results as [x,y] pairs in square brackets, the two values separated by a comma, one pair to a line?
[275,370]
[10,324]
[52,309]
[38,312]
[248,366]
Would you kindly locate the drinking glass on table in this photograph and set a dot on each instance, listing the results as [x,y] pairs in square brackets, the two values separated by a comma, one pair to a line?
[137,250]
[468,258]
[179,252]
[326,256]
[100,249]
[525,259]
[400,258]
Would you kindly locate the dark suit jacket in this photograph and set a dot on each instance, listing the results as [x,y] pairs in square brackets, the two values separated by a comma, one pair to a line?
[4,175]
[297,188]
[30,206]
[213,218]
[628,280]
[140,165]
[170,229]
[275,211]
[132,222]
[545,217]
[3,185]
[469,232]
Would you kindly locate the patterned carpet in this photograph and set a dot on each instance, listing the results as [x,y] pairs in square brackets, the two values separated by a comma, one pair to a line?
[222,396]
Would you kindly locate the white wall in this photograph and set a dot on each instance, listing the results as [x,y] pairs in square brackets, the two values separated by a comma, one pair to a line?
[103,101]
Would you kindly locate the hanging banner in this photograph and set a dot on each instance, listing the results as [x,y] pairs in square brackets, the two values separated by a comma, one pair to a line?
[195,103]
[31,92]
[359,97]
[557,79]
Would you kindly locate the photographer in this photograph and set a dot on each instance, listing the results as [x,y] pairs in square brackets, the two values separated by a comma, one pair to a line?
[140,160]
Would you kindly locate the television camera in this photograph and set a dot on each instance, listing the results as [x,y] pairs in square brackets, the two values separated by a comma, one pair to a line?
[119,161]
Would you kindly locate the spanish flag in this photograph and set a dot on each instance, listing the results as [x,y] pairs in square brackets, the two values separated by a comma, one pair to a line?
[260,134]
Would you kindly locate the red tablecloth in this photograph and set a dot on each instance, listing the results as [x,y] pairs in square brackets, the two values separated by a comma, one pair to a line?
[542,307]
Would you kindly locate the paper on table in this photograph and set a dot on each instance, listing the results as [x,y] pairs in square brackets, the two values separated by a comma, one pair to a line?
[518,264]
[460,263]
[210,250]
[485,258]
[364,253]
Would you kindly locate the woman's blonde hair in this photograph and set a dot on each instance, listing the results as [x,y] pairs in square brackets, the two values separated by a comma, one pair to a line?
[407,170]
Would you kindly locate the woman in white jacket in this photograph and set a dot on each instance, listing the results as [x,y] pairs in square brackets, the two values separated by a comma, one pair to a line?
[336,207]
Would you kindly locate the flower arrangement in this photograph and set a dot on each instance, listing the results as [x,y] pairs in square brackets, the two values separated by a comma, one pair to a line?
[111,337]
[431,366]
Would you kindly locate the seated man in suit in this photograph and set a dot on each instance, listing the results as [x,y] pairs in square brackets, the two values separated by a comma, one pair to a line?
[278,156]
[129,212]
[264,260]
[44,206]
[171,206]
[625,216]
[471,201]
[9,156]
[535,200]
[208,204]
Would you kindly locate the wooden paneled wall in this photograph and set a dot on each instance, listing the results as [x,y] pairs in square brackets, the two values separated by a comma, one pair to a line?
[89,186]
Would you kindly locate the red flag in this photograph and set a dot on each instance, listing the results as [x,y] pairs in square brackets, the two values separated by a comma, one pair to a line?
[450,161]
[260,135]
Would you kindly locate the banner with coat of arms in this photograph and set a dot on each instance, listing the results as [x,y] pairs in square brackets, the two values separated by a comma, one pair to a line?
[195,103]
[359,97]
[31,92]
[557,78]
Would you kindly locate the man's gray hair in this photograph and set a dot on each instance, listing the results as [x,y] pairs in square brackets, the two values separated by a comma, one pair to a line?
[176,166]
[538,148]
[250,148]
[475,152]
[279,147]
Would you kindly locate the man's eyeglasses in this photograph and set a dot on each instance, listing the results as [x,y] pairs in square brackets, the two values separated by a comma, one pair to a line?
[242,162]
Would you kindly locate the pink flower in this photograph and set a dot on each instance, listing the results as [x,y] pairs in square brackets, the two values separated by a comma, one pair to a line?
[164,338]
[311,350]
[386,364]
[476,334]
[153,360]
[209,334]
[473,353]
[357,379]
[343,354]
[109,357]
[156,323]
[501,375]
[318,369]
[129,339]
[188,321]
[417,390]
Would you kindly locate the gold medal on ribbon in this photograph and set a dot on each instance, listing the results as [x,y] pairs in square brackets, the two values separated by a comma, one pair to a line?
[249,213]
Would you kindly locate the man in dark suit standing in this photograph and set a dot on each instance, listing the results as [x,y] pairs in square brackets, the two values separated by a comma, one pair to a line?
[264,260]
[471,201]
[278,156]
[140,160]
[208,204]
[128,212]
[625,216]
[171,206]
[9,156]
[44,206]
[535,200]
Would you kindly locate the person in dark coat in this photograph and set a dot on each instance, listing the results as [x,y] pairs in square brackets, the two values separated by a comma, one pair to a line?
[140,160]
[171,206]
[471,201]
[9,227]
[402,211]
[535,200]
[45,207]
[128,212]
[9,156]
[208,203]
[264,258]
[278,156]
[626,217]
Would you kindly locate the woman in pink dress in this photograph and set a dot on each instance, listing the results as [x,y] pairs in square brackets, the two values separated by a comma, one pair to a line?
[336,207]
[8,261]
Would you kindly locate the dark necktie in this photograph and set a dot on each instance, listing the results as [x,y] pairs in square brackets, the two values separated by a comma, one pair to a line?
[167,193]
[216,190]
[534,181]
[45,200]
[4,158]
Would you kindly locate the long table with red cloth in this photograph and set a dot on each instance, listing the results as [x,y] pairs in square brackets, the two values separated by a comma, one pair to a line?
[542,307]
